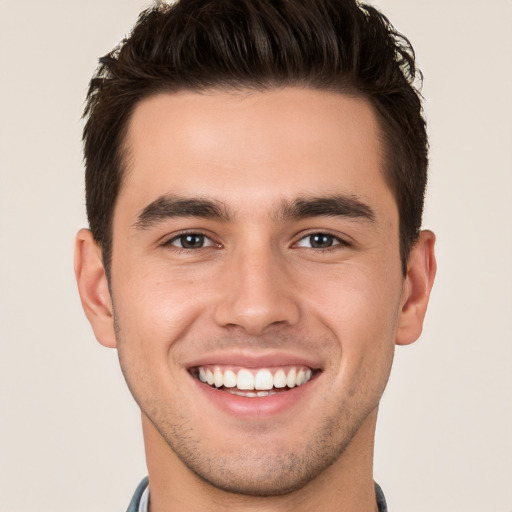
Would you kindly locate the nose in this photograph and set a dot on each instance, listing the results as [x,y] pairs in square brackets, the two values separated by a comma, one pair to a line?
[257,294]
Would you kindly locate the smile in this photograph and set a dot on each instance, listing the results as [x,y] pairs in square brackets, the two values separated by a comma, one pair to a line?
[253,382]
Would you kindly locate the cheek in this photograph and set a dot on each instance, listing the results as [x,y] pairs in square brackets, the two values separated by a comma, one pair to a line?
[355,297]
[154,316]
[156,308]
[361,307]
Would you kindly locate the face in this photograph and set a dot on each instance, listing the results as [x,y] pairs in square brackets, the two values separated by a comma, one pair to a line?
[256,281]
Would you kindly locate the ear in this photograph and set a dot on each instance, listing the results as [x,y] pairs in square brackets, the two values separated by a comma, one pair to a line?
[93,288]
[421,270]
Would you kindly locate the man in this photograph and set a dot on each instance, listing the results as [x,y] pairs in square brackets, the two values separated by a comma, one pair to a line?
[255,173]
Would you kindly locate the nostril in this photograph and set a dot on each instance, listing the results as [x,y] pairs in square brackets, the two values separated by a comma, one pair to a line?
[256,305]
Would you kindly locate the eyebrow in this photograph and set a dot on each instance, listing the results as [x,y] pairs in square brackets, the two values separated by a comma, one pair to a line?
[329,206]
[171,206]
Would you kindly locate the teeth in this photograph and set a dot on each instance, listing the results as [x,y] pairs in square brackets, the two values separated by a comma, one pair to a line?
[218,378]
[264,380]
[229,379]
[254,383]
[251,393]
[280,379]
[245,380]
[291,378]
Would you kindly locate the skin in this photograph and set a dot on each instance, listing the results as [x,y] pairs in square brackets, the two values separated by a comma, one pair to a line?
[258,288]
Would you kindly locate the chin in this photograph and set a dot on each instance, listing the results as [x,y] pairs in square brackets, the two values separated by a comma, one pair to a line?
[265,476]
[260,470]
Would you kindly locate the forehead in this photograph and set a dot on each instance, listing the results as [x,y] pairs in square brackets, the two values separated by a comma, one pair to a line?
[252,146]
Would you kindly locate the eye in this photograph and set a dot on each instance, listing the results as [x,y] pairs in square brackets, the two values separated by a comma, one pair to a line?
[191,241]
[320,241]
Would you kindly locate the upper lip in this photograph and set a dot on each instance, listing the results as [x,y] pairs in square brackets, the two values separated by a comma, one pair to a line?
[247,359]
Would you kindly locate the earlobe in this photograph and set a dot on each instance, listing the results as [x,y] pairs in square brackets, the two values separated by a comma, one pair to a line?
[93,288]
[418,283]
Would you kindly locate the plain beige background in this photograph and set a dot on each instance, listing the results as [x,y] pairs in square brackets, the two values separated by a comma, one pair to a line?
[70,437]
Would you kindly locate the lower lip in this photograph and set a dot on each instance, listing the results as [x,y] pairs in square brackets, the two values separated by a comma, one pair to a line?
[255,407]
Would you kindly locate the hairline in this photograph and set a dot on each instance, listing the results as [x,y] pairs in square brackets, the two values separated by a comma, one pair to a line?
[244,89]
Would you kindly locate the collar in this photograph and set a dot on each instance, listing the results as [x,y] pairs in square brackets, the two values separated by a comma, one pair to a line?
[140,500]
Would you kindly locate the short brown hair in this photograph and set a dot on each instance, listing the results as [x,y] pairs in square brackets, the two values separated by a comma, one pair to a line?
[337,45]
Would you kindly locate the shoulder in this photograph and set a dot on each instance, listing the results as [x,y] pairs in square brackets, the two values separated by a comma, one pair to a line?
[381,500]
[135,502]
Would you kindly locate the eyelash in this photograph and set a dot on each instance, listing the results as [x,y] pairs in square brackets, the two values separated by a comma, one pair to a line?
[336,241]
[183,235]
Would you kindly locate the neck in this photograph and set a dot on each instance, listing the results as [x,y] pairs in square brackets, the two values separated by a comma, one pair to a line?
[345,486]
